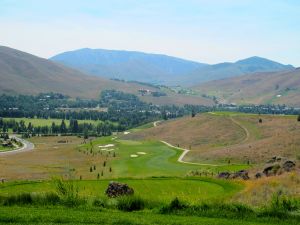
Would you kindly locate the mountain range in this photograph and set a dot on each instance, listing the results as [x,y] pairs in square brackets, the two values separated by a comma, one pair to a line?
[23,73]
[160,69]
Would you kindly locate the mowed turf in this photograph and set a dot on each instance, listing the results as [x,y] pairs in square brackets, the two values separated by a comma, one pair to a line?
[159,190]
[141,159]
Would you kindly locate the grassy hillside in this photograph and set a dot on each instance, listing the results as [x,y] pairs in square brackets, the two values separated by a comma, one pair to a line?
[22,73]
[263,88]
[219,137]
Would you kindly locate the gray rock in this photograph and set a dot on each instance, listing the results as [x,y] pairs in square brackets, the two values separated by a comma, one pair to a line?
[288,166]
[116,189]
[224,175]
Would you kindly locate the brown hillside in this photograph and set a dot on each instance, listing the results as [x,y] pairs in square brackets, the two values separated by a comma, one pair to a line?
[262,88]
[219,138]
[23,73]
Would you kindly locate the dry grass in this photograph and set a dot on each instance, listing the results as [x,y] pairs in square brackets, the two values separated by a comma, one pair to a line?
[275,136]
[260,192]
[198,134]
[216,138]
[50,158]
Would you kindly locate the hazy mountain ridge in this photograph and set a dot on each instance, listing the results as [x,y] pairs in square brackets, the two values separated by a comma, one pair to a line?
[242,67]
[160,69]
[23,73]
[127,65]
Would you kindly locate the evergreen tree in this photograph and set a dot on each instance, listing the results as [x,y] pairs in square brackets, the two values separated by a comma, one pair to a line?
[63,127]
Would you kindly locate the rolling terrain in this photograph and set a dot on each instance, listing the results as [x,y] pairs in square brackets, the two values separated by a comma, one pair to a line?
[139,158]
[23,73]
[261,88]
[219,137]
[160,69]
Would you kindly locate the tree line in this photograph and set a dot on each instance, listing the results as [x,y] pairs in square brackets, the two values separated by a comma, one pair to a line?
[72,127]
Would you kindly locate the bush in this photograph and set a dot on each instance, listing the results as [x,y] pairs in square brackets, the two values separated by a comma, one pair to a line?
[68,193]
[130,203]
[281,205]
[19,199]
[31,199]
[174,205]
[100,203]
[214,209]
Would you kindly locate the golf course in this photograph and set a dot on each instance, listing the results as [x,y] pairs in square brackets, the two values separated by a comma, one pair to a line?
[165,175]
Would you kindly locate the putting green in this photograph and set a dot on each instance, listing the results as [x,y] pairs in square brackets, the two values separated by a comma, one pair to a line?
[154,189]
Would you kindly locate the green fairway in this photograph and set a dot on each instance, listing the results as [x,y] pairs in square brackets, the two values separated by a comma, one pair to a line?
[47,122]
[153,189]
[149,158]
[61,215]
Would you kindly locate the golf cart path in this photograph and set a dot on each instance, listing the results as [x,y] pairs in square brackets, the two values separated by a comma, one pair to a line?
[185,151]
[27,146]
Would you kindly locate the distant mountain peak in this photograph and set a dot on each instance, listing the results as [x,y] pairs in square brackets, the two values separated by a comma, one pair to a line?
[159,68]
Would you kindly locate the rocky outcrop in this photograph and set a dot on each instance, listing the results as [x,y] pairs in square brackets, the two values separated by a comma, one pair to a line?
[116,189]
[242,174]
[288,166]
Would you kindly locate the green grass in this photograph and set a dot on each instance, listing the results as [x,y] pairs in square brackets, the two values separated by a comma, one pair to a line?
[158,160]
[5,149]
[60,215]
[142,127]
[160,190]
[48,122]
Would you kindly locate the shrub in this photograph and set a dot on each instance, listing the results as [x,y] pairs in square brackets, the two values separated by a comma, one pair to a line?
[19,199]
[130,203]
[174,206]
[68,193]
[100,203]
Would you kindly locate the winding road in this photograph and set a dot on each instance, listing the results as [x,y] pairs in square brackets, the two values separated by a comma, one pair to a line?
[185,151]
[27,146]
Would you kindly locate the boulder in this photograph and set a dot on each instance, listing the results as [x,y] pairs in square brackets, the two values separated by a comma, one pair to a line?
[258,175]
[243,174]
[224,175]
[271,170]
[116,189]
[288,166]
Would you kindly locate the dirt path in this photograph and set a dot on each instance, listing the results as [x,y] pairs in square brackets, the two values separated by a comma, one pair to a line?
[155,123]
[27,146]
[185,151]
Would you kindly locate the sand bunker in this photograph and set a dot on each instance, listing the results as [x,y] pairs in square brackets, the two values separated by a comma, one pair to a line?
[106,146]
[134,156]
[141,153]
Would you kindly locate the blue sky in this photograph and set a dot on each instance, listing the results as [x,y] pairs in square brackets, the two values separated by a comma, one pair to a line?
[208,31]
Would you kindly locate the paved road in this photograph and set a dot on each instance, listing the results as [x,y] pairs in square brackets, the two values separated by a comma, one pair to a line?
[27,146]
